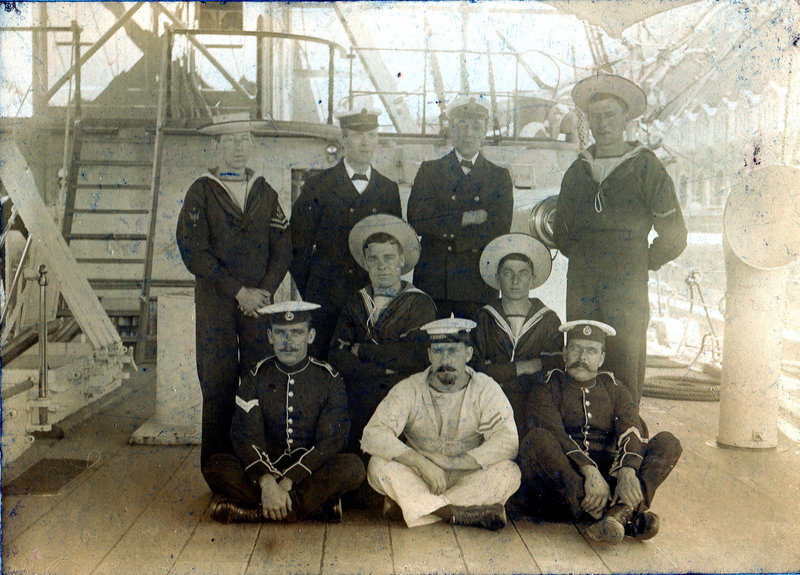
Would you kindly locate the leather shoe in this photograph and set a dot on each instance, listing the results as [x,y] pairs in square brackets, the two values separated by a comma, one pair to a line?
[330,511]
[229,511]
[611,528]
[391,510]
[643,526]
[492,517]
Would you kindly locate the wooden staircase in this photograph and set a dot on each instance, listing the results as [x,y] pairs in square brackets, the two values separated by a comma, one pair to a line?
[107,212]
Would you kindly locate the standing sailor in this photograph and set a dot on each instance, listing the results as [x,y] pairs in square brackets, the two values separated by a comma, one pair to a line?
[611,197]
[235,239]
[330,204]
[458,204]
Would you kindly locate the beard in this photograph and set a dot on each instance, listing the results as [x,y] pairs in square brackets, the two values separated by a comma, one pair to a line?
[446,374]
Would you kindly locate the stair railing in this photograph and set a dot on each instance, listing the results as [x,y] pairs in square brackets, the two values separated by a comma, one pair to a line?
[155,184]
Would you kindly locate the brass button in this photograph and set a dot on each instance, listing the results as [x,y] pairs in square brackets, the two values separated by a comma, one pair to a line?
[449,248]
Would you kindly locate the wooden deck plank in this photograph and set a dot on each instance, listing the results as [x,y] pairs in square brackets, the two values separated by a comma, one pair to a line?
[559,548]
[359,544]
[99,512]
[632,556]
[494,551]
[426,549]
[287,549]
[696,423]
[218,549]
[691,546]
[165,526]
[718,506]
[97,438]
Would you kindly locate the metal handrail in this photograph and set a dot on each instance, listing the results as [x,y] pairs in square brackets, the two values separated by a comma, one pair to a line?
[260,34]
[155,184]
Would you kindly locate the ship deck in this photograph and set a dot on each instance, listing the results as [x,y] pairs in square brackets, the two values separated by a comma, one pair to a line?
[144,510]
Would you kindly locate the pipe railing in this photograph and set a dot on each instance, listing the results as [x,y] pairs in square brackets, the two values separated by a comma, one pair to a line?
[332,46]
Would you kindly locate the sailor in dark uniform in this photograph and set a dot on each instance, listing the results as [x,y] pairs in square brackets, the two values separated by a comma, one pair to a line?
[586,457]
[517,336]
[611,197]
[288,433]
[235,239]
[458,204]
[328,207]
[378,340]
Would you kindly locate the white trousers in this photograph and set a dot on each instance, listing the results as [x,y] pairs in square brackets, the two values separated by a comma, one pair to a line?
[495,484]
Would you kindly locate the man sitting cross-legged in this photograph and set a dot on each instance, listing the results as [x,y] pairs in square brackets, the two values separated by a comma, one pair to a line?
[460,438]
[288,432]
[587,457]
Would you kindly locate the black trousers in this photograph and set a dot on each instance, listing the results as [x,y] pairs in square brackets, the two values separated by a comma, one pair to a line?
[624,305]
[343,472]
[228,344]
[553,486]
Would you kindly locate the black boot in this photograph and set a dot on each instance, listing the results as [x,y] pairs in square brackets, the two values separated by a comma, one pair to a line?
[329,512]
[492,517]
[230,511]
[643,526]
[611,528]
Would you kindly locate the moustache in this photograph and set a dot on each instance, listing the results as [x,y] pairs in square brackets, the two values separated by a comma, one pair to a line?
[446,369]
[579,364]
[289,349]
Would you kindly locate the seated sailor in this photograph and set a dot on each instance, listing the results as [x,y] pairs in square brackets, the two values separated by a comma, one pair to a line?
[454,461]
[587,457]
[289,429]
[517,336]
[378,340]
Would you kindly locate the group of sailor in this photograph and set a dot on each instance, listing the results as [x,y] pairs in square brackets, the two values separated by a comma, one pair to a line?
[445,397]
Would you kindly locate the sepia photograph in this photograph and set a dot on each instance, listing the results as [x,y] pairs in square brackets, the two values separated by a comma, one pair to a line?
[400,287]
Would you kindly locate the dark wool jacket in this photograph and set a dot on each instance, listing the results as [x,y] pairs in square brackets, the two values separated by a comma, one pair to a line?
[226,249]
[588,417]
[496,347]
[448,267]
[603,228]
[289,420]
[322,216]
[391,341]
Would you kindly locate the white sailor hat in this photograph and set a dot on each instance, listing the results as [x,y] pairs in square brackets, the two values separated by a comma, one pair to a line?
[587,329]
[617,86]
[449,329]
[468,107]
[512,244]
[223,124]
[363,120]
[288,312]
[392,226]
